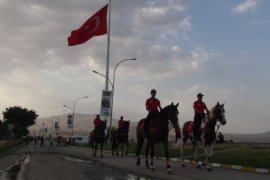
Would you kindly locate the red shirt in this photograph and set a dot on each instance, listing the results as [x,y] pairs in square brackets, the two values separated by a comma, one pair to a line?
[199,106]
[121,123]
[152,104]
[98,122]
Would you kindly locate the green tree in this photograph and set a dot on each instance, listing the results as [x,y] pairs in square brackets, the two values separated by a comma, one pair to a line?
[20,117]
[2,129]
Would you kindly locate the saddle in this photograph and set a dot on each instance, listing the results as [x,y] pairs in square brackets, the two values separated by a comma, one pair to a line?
[153,127]
[191,127]
[99,132]
[124,129]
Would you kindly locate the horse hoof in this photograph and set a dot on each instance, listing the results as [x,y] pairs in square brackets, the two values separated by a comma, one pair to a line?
[183,165]
[209,169]
[199,166]
[169,171]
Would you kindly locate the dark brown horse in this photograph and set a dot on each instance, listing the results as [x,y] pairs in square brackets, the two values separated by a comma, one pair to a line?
[97,136]
[216,114]
[158,131]
[122,138]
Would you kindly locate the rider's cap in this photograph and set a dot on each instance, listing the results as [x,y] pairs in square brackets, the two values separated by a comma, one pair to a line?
[200,95]
[153,91]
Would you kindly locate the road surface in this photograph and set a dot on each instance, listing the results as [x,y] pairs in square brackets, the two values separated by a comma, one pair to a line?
[69,163]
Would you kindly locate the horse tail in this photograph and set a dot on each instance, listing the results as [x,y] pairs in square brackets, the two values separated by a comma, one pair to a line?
[139,129]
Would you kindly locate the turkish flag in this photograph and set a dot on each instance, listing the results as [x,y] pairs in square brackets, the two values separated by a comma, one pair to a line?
[96,25]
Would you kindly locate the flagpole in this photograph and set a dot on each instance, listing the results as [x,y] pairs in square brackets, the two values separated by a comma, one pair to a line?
[108,48]
[108,54]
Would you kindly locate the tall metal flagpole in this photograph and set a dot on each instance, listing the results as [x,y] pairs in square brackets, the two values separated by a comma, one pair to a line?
[108,53]
[108,48]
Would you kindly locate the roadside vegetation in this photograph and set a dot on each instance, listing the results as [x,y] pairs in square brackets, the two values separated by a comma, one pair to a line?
[242,154]
[4,148]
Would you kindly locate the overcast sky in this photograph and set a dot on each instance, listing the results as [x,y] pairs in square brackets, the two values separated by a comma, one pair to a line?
[216,47]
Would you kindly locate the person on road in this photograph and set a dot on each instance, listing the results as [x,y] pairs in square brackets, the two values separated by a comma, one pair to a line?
[152,106]
[199,108]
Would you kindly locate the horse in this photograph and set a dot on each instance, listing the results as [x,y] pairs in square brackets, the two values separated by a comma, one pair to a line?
[114,141]
[158,131]
[216,114]
[122,138]
[97,136]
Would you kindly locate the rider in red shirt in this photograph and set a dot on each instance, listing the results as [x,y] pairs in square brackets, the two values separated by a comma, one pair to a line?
[98,123]
[152,106]
[121,123]
[199,107]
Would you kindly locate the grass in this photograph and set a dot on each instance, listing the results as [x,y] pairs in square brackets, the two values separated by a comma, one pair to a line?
[251,155]
[4,148]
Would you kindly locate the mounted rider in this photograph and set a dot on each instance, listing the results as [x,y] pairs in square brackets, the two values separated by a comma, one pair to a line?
[152,106]
[122,126]
[99,125]
[199,107]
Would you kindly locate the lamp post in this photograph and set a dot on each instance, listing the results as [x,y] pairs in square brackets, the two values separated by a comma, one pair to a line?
[59,120]
[73,111]
[112,84]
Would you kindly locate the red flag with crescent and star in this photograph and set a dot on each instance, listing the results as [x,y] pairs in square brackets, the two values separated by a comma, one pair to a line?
[96,25]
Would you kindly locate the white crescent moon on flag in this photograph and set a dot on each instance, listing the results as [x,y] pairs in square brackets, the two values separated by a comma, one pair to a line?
[97,23]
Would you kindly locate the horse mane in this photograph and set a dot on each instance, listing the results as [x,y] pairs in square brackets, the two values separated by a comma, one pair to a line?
[211,112]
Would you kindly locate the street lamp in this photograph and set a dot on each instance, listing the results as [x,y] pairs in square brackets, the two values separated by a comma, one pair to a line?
[59,120]
[73,111]
[104,76]
[112,84]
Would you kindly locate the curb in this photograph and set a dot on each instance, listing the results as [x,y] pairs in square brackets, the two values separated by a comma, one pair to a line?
[226,166]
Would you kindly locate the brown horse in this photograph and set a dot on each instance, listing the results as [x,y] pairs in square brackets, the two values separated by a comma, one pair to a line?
[97,136]
[216,114]
[122,138]
[158,131]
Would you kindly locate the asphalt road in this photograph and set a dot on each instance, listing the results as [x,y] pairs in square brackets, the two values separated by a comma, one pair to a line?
[71,163]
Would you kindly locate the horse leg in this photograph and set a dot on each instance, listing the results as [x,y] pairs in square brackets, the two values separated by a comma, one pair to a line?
[101,150]
[127,147]
[195,153]
[168,166]
[138,151]
[182,151]
[152,156]
[122,149]
[146,155]
[117,145]
[208,155]
[113,148]
[95,149]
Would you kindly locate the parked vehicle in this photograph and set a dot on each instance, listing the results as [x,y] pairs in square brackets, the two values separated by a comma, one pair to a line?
[80,139]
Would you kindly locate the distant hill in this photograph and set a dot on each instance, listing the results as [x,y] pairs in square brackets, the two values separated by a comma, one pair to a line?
[249,138]
[84,124]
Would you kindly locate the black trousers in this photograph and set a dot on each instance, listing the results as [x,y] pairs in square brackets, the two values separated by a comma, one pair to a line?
[197,125]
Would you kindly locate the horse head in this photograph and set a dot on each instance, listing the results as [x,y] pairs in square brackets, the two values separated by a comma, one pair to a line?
[172,115]
[218,113]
